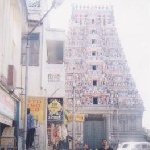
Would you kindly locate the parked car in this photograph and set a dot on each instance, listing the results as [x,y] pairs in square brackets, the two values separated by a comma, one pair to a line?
[134,146]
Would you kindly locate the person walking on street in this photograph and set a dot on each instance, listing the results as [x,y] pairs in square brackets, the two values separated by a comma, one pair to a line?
[30,129]
[105,145]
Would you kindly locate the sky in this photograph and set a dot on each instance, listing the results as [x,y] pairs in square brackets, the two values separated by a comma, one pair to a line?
[132,19]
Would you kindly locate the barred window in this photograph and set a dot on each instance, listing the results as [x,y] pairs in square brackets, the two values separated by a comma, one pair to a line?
[94,82]
[34,45]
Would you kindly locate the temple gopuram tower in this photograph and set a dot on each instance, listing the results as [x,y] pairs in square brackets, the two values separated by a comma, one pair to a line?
[104,91]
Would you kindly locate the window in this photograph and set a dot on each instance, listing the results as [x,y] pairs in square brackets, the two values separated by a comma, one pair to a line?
[92,21]
[94,67]
[138,146]
[93,31]
[93,41]
[93,53]
[55,52]
[34,45]
[104,22]
[144,146]
[125,146]
[95,100]
[94,82]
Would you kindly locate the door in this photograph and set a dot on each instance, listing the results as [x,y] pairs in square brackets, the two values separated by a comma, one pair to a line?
[94,132]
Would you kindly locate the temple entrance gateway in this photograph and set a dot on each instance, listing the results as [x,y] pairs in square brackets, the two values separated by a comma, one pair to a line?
[94,131]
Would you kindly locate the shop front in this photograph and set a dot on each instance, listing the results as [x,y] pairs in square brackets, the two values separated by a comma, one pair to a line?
[9,120]
[36,104]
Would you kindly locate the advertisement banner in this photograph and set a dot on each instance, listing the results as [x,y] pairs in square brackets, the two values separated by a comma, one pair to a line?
[55,110]
[37,105]
[54,133]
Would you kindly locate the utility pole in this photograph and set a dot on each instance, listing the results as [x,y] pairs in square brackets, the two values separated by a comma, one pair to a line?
[26,95]
[55,3]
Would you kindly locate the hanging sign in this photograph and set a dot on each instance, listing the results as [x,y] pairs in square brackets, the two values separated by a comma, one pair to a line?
[55,110]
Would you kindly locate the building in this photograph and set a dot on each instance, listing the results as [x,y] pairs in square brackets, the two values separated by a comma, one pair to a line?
[46,77]
[53,83]
[105,91]
[12,24]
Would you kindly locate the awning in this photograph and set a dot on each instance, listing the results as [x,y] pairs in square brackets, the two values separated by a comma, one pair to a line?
[5,120]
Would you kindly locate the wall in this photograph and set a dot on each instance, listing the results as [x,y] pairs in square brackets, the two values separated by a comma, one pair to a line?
[10,37]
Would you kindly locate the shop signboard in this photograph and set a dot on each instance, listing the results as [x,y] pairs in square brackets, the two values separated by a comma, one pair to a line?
[55,110]
[78,117]
[37,105]
[7,105]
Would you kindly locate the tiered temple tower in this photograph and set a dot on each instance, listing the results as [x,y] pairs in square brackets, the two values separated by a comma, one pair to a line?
[104,89]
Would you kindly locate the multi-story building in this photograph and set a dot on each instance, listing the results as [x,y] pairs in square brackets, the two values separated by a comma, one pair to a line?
[45,70]
[104,88]
[12,23]
[46,77]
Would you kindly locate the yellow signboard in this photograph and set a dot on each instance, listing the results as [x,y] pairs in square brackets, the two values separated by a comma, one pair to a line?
[78,117]
[37,107]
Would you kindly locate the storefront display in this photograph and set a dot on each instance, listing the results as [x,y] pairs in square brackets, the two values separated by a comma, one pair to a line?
[8,120]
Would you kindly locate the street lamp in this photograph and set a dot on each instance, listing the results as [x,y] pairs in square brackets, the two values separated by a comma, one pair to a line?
[55,3]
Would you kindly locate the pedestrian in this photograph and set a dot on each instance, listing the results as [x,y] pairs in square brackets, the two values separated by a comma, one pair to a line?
[86,147]
[105,145]
[30,129]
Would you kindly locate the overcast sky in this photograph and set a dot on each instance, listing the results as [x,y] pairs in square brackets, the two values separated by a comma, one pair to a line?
[132,19]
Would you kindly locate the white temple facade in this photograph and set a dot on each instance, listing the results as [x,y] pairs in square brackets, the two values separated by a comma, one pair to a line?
[105,91]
